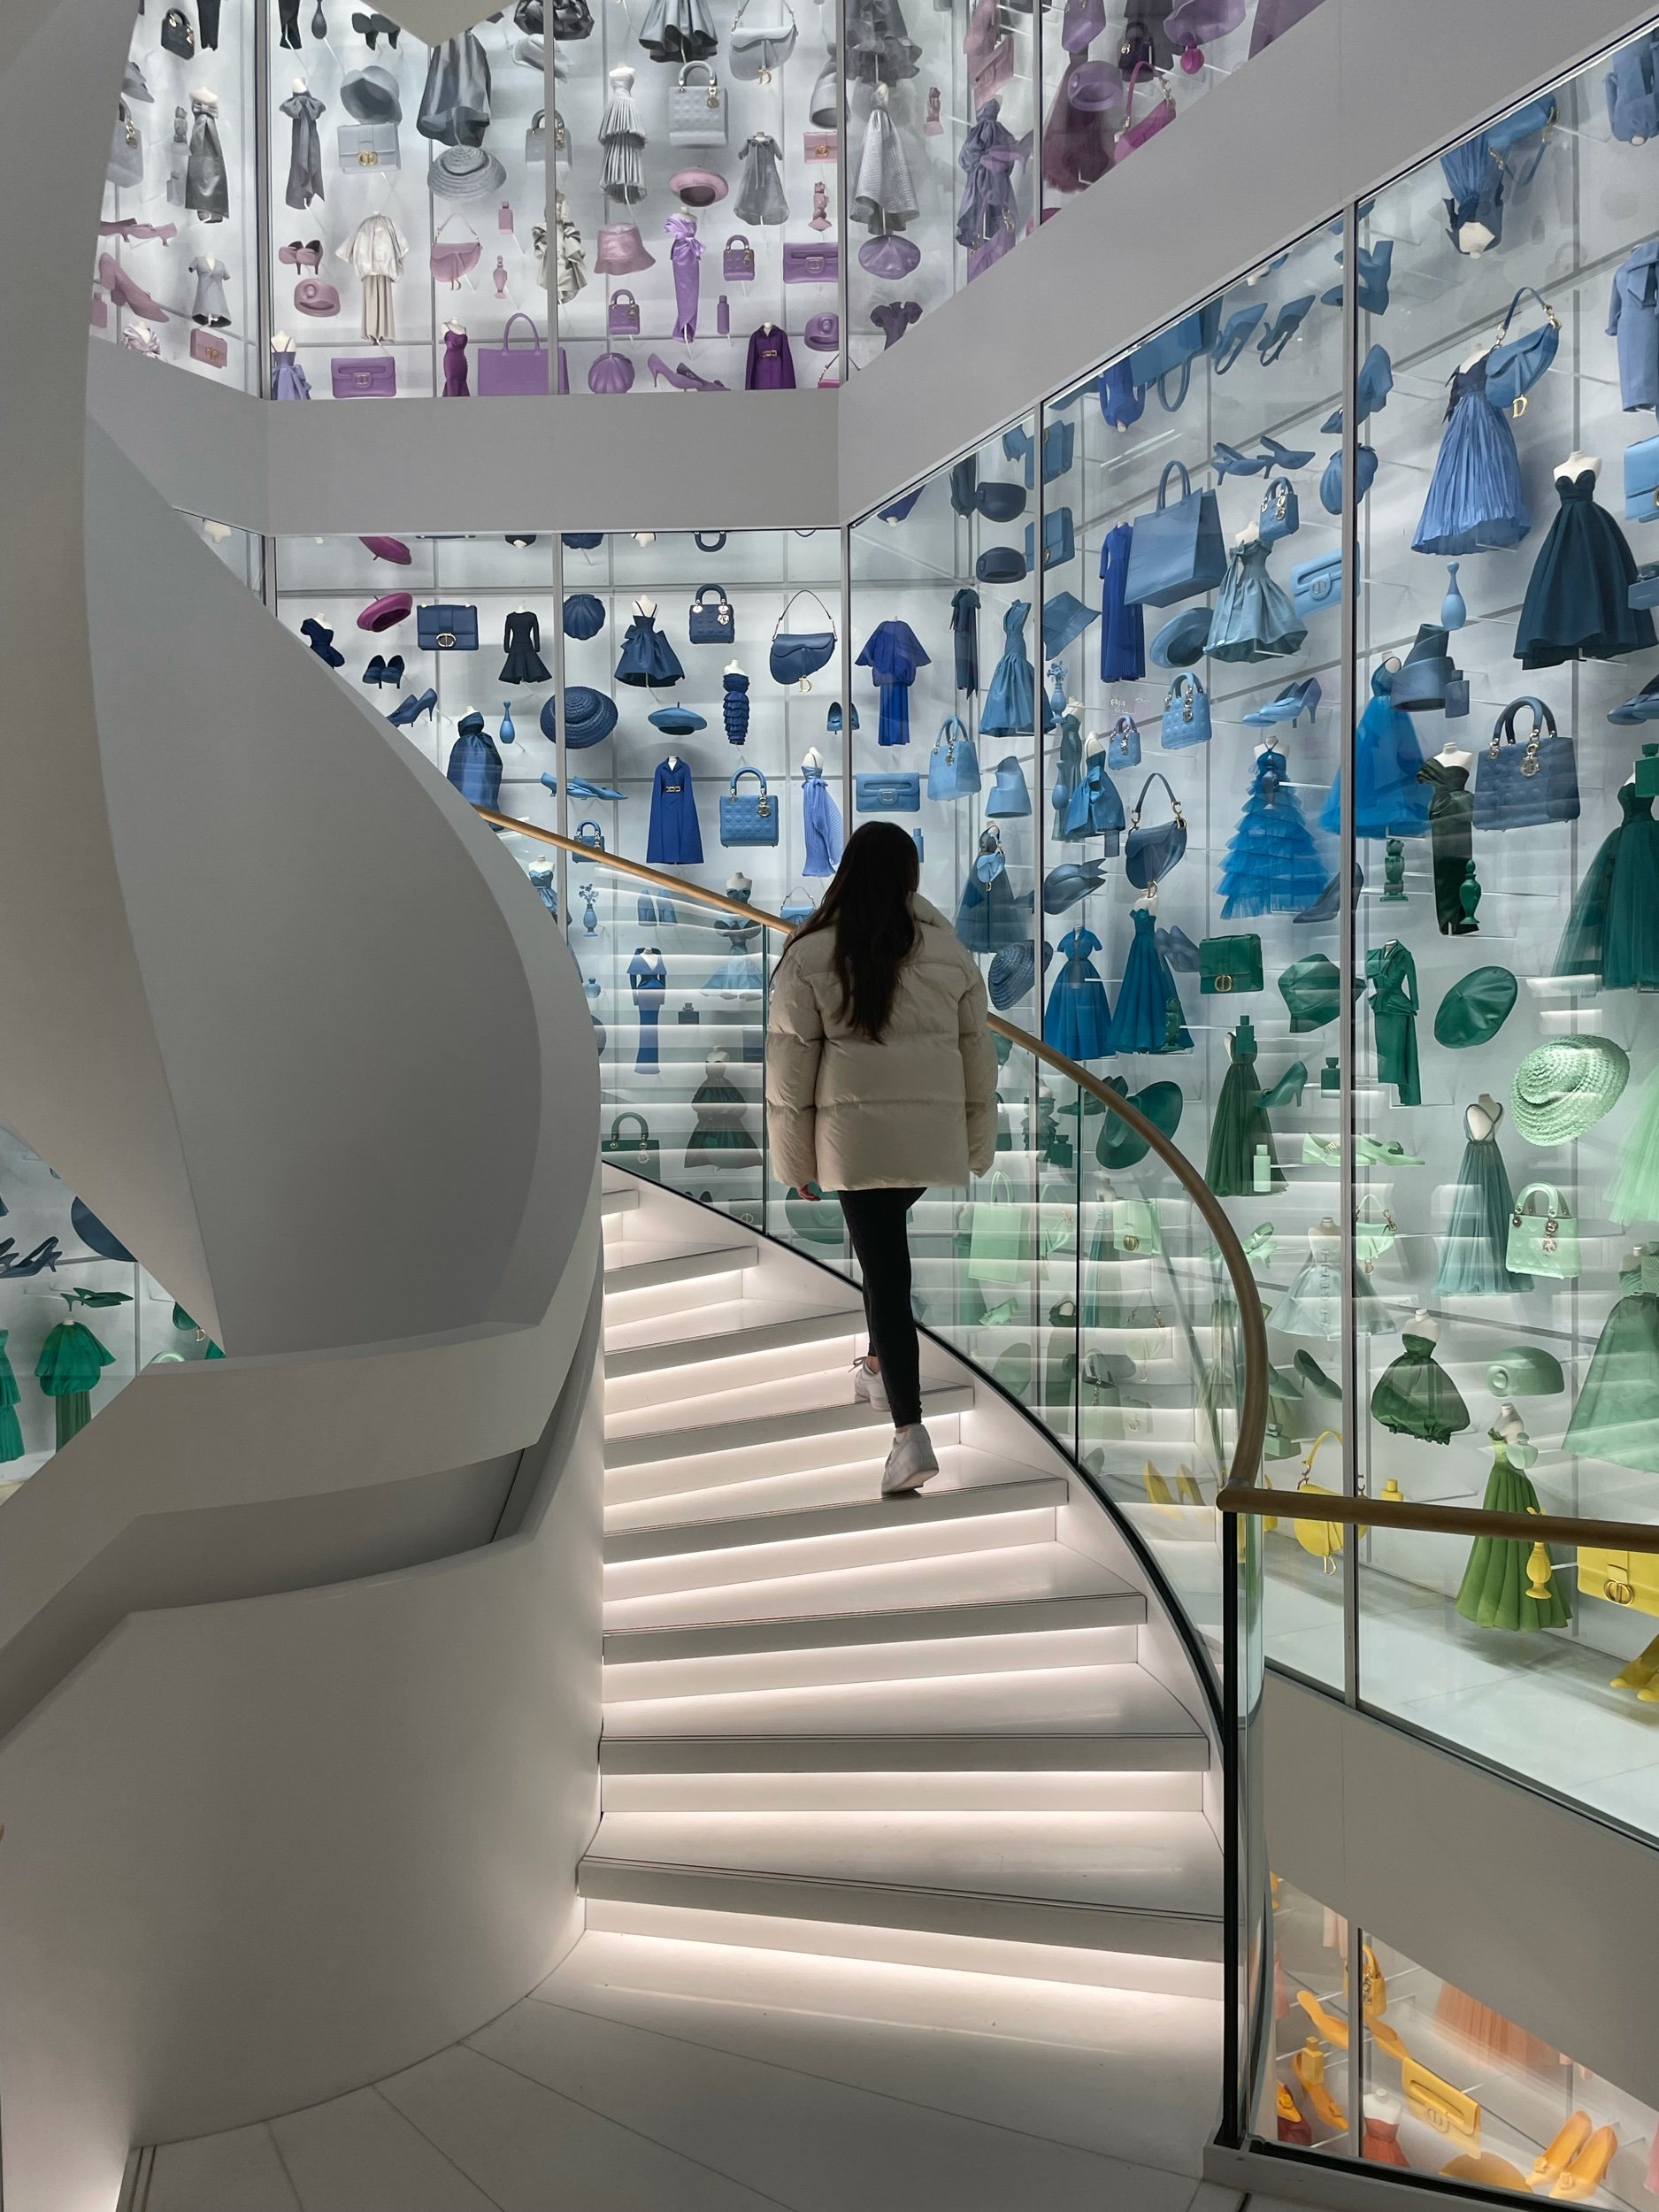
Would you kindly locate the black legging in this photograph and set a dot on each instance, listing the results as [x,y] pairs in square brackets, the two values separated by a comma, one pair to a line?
[876,1224]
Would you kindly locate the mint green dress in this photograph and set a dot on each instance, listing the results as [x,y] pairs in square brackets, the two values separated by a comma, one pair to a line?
[1616,1417]
[1492,1594]
[11,1434]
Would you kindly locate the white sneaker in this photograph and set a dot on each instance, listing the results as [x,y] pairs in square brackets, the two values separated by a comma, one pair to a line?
[909,1463]
[868,1387]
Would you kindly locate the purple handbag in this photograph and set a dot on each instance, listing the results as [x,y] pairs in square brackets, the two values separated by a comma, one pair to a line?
[623,320]
[611,373]
[738,263]
[371,376]
[509,372]
[1085,20]
[811,265]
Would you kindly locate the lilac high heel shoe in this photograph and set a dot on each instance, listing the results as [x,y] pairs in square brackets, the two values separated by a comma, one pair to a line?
[124,293]
[683,378]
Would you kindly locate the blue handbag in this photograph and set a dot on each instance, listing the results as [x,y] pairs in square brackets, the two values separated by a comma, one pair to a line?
[1123,743]
[887,793]
[953,766]
[1515,364]
[1315,584]
[1641,482]
[1176,552]
[1633,101]
[447,629]
[1282,515]
[1175,349]
[797,654]
[1186,714]
[1522,782]
[1059,541]
[1058,444]
[708,625]
[747,817]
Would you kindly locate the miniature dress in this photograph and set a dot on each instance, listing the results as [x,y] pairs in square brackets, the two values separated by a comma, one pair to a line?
[734,705]
[820,824]
[1077,1018]
[893,653]
[1616,1416]
[1392,974]
[1473,1262]
[1451,826]
[1253,618]
[1011,699]
[1578,597]
[760,196]
[1123,653]
[721,1138]
[1149,1016]
[648,980]
[455,378]
[1388,799]
[1415,1396]
[1240,1124]
[1475,500]
[1313,1304]
[1492,1593]
[986,218]
[1272,864]
[521,641]
[1612,932]
[646,658]
[674,839]
[474,765]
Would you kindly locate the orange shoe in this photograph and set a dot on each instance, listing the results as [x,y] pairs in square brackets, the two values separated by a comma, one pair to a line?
[1584,2176]
[1571,2139]
[1309,2067]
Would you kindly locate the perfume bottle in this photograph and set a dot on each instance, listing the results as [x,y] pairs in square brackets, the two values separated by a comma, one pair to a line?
[508,733]
[1453,613]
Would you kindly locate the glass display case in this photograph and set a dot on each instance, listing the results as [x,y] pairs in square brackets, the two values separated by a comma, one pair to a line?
[1446,2085]
[176,275]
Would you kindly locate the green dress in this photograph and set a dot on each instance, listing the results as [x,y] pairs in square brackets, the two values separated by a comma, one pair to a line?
[1633,1193]
[1616,1417]
[1394,1006]
[11,1434]
[1240,1124]
[69,1369]
[1612,934]
[1494,1589]
[1415,1396]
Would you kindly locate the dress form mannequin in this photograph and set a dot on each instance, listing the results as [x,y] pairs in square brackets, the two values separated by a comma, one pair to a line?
[1454,756]
[1424,1324]
[1576,464]
[812,760]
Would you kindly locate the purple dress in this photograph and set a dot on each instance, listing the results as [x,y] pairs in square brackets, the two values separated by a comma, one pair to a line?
[770,364]
[986,222]
[893,653]
[686,253]
[455,383]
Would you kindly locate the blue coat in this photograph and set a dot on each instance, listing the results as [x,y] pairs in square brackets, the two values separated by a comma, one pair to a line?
[1633,314]
[675,837]
[893,653]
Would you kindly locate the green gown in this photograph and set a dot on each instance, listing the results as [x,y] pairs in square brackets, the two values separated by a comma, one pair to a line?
[1415,1396]
[1493,1590]
[1616,1417]
[1394,1006]
[1633,1193]
[69,1369]
[1240,1124]
[11,1434]
[1612,932]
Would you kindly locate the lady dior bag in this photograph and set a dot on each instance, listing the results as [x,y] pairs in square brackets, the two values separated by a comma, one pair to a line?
[1520,783]
[1543,1236]
[715,625]
[747,817]
[697,108]
[737,263]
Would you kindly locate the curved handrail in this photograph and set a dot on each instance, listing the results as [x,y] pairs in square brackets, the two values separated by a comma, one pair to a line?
[1443,1520]
[1246,1448]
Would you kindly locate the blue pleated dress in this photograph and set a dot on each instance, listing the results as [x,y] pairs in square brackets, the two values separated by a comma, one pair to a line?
[1475,501]
[646,658]
[1078,1020]
[1010,702]
[1149,1016]
[1255,618]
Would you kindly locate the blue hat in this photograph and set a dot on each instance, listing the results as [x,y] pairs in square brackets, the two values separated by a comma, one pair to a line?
[833,720]
[1010,795]
[589,717]
[1643,708]
[1065,618]
[584,615]
[1071,882]
[676,721]
[1182,642]
[1012,973]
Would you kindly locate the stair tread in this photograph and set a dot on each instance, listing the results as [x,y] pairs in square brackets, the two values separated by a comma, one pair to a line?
[657,1354]
[851,1481]
[1145,1862]
[701,1396]
[1113,1699]
[644,1263]
[640,1447]
[941,1501]
[1013,1574]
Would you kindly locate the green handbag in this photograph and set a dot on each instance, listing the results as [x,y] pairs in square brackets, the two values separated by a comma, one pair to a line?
[643,1153]
[814,1221]
[999,1235]
[1135,1226]
[1372,1238]
[1230,963]
[1543,1235]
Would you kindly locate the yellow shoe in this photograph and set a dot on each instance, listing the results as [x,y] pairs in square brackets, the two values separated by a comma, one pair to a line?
[1187,1484]
[1571,2139]
[1584,2176]
[1329,2025]
[1309,2067]
[1158,1490]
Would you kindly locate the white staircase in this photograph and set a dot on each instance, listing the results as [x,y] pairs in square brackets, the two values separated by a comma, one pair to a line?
[905,1894]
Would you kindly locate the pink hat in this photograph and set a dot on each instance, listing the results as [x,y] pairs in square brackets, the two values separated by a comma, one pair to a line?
[391,549]
[313,296]
[621,250]
[698,188]
[382,613]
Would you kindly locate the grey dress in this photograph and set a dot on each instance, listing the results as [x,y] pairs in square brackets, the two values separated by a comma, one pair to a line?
[211,306]
[305,156]
[761,196]
[206,186]
[884,195]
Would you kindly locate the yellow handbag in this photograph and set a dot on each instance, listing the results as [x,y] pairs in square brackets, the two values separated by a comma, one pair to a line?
[1447,2110]
[1323,1539]
[1622,1577]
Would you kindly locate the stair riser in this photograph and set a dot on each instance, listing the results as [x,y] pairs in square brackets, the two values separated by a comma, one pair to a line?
[821,1424]
[823,1365]
[671,1357]
[1024,1962]
[707,1570]
[905,1755]
[740,1672]
[673,1478]
[1048,1793]
[1071,1629]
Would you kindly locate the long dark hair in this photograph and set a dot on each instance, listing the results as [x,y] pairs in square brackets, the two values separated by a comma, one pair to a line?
[868,906]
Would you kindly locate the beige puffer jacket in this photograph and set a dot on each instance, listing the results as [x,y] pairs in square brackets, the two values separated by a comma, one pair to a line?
[917,1108]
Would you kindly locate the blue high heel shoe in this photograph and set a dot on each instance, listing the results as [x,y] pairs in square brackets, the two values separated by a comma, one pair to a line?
[1289,704]
[1373,386]
[1232,338]
[551,781]
[1230,462]
[1286,458]
[1283,328]
[1325,906]
[1374,265]
[375,672]
[581,788]
[411,709]
[43,1256]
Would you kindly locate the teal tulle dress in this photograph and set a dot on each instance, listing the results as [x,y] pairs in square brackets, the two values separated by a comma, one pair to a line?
[1415,1396]
[1492,1593]
[1313,1304]
[721,1138]
[1473,1262]
[1616,1417]
[1388,800]
[1149,1016]
[1272,864]
[1612,932]
[1240,1124]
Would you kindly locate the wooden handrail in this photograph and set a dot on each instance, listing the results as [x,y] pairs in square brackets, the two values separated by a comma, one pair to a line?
[1247,1449]
[1441,1520]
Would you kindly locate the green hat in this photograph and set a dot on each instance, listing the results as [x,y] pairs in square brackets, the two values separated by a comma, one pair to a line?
[1475,1009]
[1312,989]
[1562,1088]
[1525,1370]
[1118,1146]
